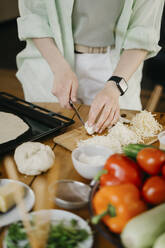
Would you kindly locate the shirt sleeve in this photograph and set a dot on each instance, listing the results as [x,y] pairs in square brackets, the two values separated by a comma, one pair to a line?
[33,21]
[162,33]
[144,27]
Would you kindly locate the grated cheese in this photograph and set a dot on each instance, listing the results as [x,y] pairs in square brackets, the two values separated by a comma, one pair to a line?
[145,125]
[124,134]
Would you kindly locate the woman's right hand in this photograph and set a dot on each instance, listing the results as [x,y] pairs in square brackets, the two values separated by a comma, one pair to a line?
[65,83]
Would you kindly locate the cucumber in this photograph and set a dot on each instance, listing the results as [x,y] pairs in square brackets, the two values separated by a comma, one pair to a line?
[160,242]
[142,230]
[132,150]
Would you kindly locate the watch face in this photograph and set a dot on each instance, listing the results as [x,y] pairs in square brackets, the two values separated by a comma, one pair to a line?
[123,85]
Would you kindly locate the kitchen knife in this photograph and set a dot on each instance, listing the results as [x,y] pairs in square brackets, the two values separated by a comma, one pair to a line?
[76,111]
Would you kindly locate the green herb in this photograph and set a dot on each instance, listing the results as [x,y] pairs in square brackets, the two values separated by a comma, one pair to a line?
[60,235]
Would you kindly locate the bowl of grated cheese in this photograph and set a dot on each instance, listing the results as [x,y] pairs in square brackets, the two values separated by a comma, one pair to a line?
[88,160]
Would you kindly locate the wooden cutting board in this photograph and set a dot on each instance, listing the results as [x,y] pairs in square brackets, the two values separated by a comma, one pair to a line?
[70,139]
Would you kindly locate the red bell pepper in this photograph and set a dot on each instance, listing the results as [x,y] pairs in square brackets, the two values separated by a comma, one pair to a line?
[121,169]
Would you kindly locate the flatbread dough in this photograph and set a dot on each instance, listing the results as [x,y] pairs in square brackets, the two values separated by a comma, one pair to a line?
[11,127]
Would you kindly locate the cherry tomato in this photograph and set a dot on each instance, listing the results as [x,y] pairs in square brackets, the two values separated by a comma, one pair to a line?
[151,160]
[153,190]
[124,169]
[163,170]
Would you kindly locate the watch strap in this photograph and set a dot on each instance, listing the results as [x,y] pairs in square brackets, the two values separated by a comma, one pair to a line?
[117,80]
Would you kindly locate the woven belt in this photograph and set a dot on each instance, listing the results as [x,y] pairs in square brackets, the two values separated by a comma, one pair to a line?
[86,49]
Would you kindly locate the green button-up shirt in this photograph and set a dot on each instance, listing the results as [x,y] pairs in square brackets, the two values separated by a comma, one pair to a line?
[137,28]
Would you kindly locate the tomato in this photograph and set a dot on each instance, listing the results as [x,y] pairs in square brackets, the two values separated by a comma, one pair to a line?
[124,169]
[109,180]
[151,160]
[153,190]
[163,170]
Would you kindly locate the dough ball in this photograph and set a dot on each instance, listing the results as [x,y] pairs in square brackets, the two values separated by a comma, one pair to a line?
[90,130]
[33,158]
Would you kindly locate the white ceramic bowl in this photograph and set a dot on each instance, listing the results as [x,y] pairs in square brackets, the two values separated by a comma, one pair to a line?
[161,138]
[86,170]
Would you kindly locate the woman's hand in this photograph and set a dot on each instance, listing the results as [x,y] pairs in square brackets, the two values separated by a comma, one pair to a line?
[65,81]
[106,103]
[106,107]
[65,84]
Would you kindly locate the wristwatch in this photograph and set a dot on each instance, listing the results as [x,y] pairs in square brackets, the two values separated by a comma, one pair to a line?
[120,83]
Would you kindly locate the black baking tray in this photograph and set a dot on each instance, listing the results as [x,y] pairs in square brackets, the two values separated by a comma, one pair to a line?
[101,227]
[42,122]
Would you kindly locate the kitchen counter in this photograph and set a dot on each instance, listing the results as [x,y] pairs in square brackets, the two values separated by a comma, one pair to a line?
[62,169]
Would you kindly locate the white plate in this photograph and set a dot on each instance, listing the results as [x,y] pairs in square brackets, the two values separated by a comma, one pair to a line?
[13,214]
[57,216]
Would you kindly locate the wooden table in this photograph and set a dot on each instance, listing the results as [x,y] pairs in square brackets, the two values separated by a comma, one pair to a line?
[62,169]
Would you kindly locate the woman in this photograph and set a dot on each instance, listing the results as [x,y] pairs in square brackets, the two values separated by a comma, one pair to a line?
[74,48]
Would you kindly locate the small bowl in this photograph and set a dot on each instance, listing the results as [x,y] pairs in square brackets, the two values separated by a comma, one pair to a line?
[70,194]
[87,170]
[161,138]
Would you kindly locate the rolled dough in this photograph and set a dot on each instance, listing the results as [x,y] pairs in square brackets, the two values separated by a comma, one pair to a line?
[11,127]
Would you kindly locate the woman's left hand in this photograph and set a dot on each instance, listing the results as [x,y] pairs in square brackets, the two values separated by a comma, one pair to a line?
[105,104]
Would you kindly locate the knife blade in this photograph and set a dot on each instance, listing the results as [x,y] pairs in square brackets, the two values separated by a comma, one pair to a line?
[76,111]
